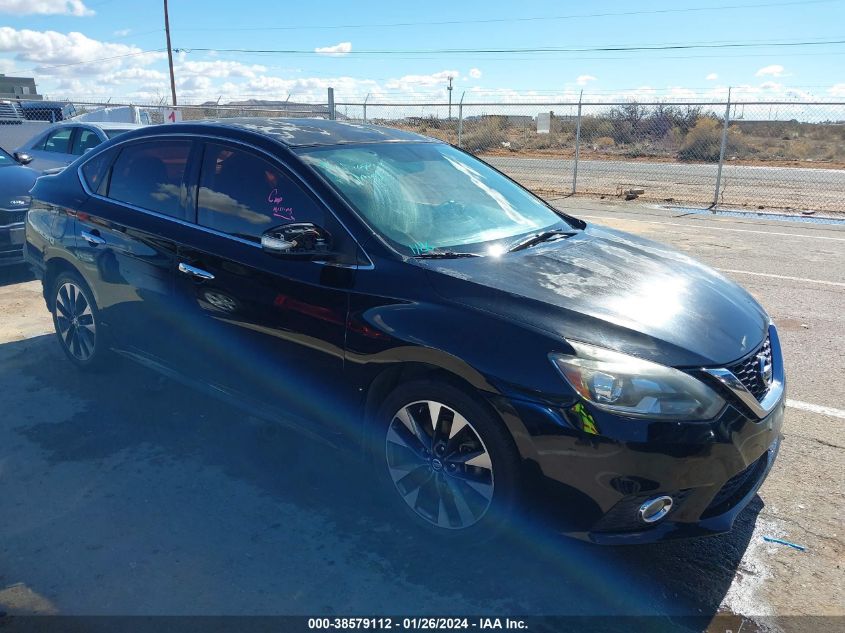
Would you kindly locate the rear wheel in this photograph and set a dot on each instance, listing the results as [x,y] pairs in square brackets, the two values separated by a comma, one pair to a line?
[446,460]
[77,321]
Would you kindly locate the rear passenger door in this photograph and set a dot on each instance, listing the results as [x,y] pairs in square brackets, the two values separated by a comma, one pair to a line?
[267,327]
[126,238]
[84,140]
[53,150]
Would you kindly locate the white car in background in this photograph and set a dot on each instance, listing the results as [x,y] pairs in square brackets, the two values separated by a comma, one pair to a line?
[62,143]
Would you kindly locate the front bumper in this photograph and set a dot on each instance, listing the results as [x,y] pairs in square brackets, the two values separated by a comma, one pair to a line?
[12,238]
[592,481]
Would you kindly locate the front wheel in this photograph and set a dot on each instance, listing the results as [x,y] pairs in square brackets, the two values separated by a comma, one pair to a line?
[77,321]
[446,460]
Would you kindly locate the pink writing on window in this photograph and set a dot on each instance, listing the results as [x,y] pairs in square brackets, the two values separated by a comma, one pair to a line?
[279,208]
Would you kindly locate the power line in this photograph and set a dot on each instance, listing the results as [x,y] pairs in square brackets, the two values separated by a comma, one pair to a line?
[534,50]
[100,59]
[576,16]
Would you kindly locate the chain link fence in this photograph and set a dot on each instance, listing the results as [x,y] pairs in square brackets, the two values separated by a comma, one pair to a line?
[754,155]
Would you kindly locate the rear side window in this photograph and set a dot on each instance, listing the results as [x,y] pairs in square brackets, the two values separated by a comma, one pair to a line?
[244,195]
[59,141]
[94,170]
[85,140]
[151,175]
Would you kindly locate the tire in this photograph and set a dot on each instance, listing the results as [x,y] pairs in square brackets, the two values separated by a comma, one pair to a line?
[76,320]
[460,481]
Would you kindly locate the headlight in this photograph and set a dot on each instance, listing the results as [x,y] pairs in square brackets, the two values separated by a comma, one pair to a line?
[633,387]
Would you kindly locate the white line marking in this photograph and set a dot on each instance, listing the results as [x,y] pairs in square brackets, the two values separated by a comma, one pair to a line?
[812,281]
[815,408]
[715,228]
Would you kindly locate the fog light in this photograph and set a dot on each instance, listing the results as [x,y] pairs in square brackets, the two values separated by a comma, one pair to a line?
[655,509]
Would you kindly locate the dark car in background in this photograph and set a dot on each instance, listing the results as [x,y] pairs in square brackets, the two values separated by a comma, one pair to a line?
[382,289]
[15,182]
[52,111]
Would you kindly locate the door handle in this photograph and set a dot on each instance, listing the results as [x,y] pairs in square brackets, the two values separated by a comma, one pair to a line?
[92,237]
[199,273]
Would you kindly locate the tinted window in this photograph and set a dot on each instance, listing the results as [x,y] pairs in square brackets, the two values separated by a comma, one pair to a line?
[150,175]
[95,169]
[113,133]
[59,141]
[244,195]
[85,140]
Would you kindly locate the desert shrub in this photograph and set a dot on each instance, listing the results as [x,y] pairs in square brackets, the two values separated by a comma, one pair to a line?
[594,127]
[484,136]
[703,142]
[603,142]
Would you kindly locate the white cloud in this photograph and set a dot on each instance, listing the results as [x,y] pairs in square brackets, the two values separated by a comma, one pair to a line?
[771,86]
[775,70]
[411,82]
[45,7]
[343,48]
[678,92]
[712,77]
[583,80]
[475,73]
[220,69]
[122,32]
[50,48]
[837,90]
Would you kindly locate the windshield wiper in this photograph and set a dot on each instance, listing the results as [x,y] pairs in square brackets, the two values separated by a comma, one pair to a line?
[539,238]
[444,255]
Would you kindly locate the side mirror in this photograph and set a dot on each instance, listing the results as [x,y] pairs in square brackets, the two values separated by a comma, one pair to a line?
[23,159]
[298,240]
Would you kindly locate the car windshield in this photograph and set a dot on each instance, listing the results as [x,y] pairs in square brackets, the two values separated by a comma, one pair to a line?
[427,196]
[113,133]
[6,159]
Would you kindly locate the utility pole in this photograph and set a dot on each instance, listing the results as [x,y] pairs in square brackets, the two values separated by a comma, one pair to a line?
[169,53]
[450,97]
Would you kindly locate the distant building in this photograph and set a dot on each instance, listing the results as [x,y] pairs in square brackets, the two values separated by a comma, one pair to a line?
[18,88]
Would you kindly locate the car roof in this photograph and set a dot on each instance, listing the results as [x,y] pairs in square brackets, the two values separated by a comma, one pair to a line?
[311,132]
[103,125]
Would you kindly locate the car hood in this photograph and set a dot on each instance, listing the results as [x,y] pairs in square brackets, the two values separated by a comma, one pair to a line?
[615,290]
[16,180]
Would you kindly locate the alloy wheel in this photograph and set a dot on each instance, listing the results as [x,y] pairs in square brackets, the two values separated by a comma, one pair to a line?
[439,464]
[75,321]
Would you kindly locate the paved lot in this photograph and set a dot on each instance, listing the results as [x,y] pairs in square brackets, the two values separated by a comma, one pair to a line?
[772,187]
[125,494]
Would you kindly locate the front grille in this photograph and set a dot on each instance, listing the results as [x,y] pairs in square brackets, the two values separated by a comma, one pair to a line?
[12,217]
[749,373]
[737,487]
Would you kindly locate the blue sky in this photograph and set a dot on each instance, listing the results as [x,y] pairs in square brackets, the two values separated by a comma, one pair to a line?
[94,49]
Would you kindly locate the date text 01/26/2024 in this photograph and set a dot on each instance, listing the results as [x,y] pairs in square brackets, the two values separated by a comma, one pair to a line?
[415,624]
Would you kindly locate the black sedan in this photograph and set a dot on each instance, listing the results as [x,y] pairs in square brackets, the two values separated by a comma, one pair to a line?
[15,182]
[381,289]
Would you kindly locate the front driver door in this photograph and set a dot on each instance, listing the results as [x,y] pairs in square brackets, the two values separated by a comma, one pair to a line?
[267,327]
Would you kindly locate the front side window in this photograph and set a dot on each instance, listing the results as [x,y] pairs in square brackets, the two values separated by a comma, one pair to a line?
[424,196]
[151,175]
[85,140]
[59,141]
[244,195]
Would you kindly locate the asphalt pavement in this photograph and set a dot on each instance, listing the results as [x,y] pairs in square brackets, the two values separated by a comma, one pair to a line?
[749,186]
[123,493]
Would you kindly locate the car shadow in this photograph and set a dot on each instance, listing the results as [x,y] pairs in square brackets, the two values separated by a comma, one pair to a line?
[15,274]
[134,424]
